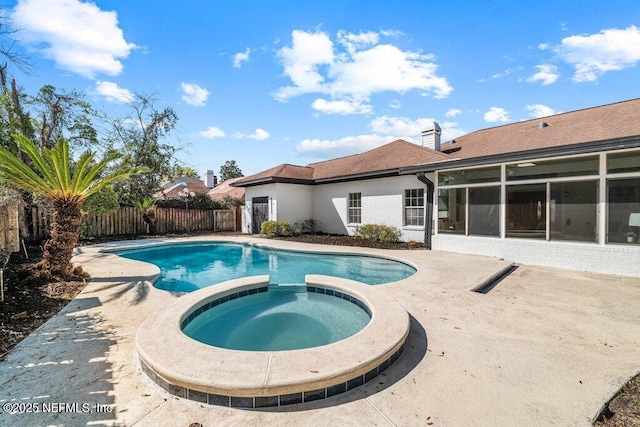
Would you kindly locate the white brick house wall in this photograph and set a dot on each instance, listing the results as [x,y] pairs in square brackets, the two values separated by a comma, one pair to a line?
[621,260]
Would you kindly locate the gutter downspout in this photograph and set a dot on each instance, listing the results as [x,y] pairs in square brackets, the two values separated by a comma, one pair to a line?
[422,177]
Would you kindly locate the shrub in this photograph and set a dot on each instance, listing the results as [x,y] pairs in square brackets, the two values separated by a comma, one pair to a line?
[311,225]
[276,228]
[379,232]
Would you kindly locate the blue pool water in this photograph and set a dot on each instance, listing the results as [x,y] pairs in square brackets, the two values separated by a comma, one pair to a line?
[188,267]
[278,320]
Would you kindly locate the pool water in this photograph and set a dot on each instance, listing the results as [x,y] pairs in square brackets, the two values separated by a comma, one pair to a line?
[189,267]
[278,320]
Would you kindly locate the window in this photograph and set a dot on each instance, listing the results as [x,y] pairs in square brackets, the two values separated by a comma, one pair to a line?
[469,176]
[355,208]
[623,162]
[553,168]
[484,211]
[526,211]
[451,210]
[414,207]
[624,200]
[573,211]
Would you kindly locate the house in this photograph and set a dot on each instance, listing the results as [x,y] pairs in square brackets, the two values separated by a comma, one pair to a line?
[562,191]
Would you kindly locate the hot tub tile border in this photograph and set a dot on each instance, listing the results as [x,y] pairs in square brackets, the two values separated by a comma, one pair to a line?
[230,297]
[257,402]
[213,303]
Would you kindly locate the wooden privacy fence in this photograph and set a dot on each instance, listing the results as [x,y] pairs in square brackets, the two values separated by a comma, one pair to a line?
[9,228]
[128,221]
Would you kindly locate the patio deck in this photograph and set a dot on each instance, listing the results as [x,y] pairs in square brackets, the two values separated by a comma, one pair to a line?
[544,347]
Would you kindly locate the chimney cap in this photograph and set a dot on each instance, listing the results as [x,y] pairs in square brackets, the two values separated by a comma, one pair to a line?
[435,128]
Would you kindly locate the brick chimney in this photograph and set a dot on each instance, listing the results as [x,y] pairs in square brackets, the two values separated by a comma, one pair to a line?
[431,136]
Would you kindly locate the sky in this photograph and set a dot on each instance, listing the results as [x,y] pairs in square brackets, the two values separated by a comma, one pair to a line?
[266,83]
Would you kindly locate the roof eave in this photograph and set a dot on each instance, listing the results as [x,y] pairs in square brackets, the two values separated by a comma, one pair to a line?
[358,176]
[272,180]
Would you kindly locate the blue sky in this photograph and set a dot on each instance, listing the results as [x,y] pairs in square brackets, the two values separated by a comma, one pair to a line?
[265,83]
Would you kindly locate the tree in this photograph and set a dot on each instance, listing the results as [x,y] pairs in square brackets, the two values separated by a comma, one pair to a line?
[54,176]
[63,114]
[229,170]
[179,170]
[139,138]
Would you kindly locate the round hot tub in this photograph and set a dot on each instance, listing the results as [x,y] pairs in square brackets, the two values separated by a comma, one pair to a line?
[263,356]
[284,317]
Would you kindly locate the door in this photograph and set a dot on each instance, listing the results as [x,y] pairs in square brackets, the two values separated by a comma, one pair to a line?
[260,213]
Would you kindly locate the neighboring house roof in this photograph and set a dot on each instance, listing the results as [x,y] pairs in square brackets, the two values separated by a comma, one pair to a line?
[225,189]
[611,126]
[186,179]
[382,161]
[172,190]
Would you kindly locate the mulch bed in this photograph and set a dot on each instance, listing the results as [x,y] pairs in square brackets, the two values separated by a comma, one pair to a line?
[332,239]
[29,302]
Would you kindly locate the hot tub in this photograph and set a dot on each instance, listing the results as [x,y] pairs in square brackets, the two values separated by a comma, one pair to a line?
[240,378]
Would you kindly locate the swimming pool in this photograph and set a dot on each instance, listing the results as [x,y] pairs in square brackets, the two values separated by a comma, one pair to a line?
[193,266]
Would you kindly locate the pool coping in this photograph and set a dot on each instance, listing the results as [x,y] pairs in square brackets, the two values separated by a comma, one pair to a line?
[187,367]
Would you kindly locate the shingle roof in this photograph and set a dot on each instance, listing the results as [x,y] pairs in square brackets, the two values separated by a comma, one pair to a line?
[606,122]
[394,155]
[389,157]
[173,191]
[225,189]
[611,121]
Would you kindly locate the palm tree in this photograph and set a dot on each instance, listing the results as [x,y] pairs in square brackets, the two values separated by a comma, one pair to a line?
[148,215]
[53,176]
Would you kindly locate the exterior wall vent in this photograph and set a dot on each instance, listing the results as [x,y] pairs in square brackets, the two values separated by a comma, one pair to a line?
[542,125]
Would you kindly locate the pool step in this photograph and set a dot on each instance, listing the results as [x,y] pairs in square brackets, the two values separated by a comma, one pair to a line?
[288,288]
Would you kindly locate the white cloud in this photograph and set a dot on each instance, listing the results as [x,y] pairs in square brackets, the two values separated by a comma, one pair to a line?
[496,114]
[543,46]
[395,104]
[539,110]
[77,36]
[212,132]
[354,70]
[113,93]
[593,55]
[505,73]
[452,112]
[259,134]
[354,42]
[301,62]
[385,129]
[547,74]
[343,106]
[193,94]
[410,130]
[391,33]
[241,57]
[400,126]
[343,146]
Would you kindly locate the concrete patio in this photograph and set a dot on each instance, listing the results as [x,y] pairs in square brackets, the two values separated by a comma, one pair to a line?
[544,347]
